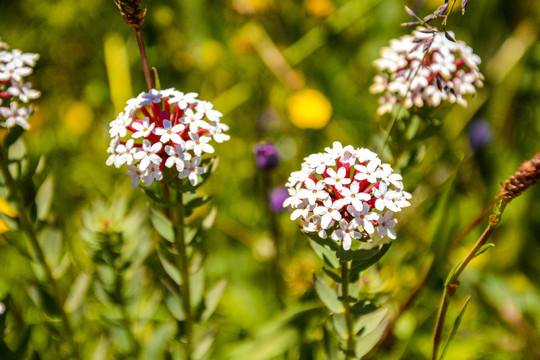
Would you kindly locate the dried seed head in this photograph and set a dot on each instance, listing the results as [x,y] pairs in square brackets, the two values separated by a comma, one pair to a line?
[132,12]
[526,175]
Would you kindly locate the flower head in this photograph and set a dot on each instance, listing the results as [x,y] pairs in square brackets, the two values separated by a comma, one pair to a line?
[164,128]
[14,67]
[346,193]
[266,155]
[441,70]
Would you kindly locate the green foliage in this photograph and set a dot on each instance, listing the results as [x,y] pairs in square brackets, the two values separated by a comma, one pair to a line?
[114,261]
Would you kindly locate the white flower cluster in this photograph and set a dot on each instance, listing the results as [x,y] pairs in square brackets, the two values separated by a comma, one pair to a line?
[14,66]
[164,128]
[419,73]
[347,192]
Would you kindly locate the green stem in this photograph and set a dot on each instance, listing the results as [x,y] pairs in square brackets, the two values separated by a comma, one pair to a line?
[144,59]
[275,235]
[345,279]
[183,268]
[453,282]
[28,229]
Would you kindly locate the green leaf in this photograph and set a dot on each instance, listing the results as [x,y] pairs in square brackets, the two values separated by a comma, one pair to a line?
[451,273]
[44,198]
[360,264]
[363,307]
[340,325]
[203,345]
[13,135]
[170,268]
[483,249]
[328,296]
[159,340]
[455,327]
[324,242]
[325,253]
[174,304]
[196,280]
[195,203]
[77,292]
[212,298]
[333,275]
[158,198]
[344,255]
[162,225]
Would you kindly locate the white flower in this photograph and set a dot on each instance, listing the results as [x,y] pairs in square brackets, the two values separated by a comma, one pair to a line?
[148,154]
[329,212]
[15,115]
[315,226]
[352,195]
[162,120]
[24,92]
[192,170]
[363,217]
[183,100]
[125,153]
[325,199]
[177,156]
[194,121]
[119,125]
[313,191]
[199,144]
[169,132]
[153,96]
[346,232]
[386,223]
[410,75]
[135,174]
[10,71]
[338,179]
[142,129]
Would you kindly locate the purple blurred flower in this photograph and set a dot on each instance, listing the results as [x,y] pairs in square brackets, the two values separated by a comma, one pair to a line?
[277,197]
[480,133]
[266,155]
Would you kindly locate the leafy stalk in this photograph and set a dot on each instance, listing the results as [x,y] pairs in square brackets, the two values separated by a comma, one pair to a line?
[527,175]
[28,229]
[183,268]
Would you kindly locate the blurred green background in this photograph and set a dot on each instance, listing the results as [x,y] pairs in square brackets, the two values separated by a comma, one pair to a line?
[249,57]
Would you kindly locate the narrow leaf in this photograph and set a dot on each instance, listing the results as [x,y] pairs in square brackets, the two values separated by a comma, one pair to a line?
[44,198]
[324,253]
[213,296]
[328,296]
[162,225]
[77,292]
[332,274]
[455,327]
[195,203]
[174,305]
[483,249]
[357,266]
[363,307]
[169,268]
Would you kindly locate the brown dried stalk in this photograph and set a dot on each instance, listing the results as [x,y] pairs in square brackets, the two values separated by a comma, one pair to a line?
[132,12]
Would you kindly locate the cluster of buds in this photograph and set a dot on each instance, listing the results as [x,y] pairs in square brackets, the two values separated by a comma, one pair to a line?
[14,67]
[164,128]
[427,67]
[346,193]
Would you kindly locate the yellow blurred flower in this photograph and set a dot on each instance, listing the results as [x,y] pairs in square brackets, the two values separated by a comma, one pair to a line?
[78,117]
[319,8]
[309,109]
[250,7]
[299,274]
